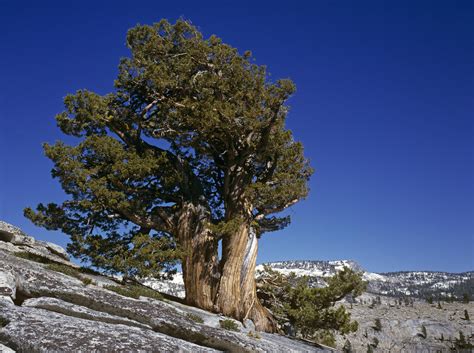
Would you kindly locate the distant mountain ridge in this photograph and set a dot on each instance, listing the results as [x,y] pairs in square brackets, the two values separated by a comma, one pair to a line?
[314,267]
[416,284]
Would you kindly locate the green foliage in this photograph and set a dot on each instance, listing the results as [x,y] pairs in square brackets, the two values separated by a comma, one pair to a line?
[226,226]
[370,349]
[58,267]
[325,337]
[33,257]
[67,270]
[311,311]
[254,334]
[135,291]
[190,120]
[90,271]
[228,324]
[377,325]
[195,318]
[429,300]
[86,281]
[439,306]
[466,315]
[465,298]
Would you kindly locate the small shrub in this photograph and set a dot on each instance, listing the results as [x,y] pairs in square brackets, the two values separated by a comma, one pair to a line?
[377,325]
[33,257]
[254,335]
[87,281]
[135,291]
[195,318]
[143,291]
[53,265]
[67,270]
[121,290]
[311,309]
[325,337]
[466,315]
[230,325]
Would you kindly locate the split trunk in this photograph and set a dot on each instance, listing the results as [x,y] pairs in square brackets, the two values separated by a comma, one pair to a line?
[227,286]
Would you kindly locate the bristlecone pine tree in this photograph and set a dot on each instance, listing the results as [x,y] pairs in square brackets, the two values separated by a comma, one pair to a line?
[189,149]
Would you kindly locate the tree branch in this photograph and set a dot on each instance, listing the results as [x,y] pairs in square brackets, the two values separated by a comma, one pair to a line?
[263,212]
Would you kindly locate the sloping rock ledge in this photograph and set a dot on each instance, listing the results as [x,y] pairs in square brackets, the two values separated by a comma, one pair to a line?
[43,310]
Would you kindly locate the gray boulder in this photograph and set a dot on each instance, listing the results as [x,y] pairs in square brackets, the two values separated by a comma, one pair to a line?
[7,284]
[13,239]
[14,235]
[53,248]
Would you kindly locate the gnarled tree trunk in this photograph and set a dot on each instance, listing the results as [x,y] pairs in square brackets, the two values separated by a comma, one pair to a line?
[237,295]
[200,262]
[226,286]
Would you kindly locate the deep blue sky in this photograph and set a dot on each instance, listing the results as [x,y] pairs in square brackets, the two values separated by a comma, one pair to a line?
[384,108]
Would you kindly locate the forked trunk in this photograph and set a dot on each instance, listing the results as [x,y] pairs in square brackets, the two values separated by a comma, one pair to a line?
[237,294]
[200,263]
[228,286]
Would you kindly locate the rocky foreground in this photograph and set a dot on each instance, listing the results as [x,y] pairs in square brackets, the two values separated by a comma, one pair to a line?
[412,326]
[408,323]
[49,304]
[397,301]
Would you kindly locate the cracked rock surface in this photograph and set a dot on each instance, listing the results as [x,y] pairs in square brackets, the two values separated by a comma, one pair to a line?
[42,310]
[27,331]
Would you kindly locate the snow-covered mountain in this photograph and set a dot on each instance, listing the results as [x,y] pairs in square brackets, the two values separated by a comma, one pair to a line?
[421,284]
[311,268]
[319,269]
[418,284]
[424,284]
[173,286]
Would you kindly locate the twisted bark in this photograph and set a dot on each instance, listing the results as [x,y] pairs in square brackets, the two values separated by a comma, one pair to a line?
[200,262]
[237,294]
[227,286]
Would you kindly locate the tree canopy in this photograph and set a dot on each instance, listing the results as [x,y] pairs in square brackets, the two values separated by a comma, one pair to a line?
[189,119]
[188,149]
